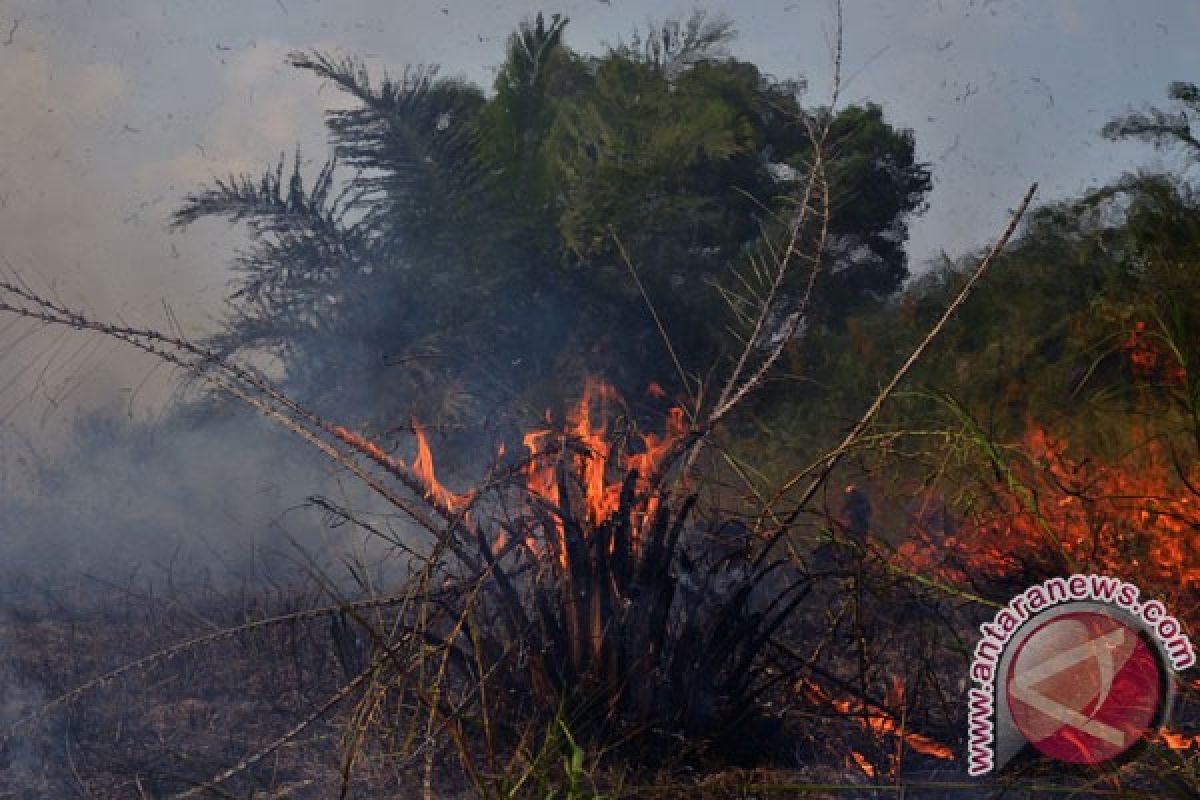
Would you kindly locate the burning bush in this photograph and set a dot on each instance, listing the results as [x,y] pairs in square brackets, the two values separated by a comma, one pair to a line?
[604,599]
[1048,512]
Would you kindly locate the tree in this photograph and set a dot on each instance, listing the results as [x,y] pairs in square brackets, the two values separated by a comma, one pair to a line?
[480,241]
[1091,315]
[877,185]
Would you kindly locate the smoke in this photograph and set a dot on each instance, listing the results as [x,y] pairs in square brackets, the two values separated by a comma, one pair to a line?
[221,498]
[100,473]
[99,151]
[59,232]
[22,763]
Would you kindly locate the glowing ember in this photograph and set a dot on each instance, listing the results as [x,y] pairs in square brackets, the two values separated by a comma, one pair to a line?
[368,448]
[1149,360]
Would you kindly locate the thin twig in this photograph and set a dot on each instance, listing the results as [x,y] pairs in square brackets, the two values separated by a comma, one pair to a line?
[662,330]
[869,415]
[288,735]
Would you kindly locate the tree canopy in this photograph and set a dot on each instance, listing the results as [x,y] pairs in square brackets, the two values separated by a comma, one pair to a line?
[1088,322]
[461,249]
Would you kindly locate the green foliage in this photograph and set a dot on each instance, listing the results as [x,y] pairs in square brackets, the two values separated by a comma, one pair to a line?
[476,240]
[537,75]
[556,770]
[876,184]
[1051,337]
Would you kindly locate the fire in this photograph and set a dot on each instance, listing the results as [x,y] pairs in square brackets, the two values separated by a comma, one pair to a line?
[878,721]
[434,490]
[1138,518]
[1149,360]
[598,459]
[422,468]
[857,759]
[1176,740]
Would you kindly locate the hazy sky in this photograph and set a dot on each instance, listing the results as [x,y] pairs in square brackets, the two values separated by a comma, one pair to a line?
[111,111]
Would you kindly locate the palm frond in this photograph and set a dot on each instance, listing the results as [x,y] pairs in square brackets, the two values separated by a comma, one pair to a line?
[413,141]
[1160,127]
[530,49]
[302,246]
[270,203]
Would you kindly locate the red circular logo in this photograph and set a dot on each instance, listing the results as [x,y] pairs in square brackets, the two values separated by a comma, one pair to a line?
[1084,688]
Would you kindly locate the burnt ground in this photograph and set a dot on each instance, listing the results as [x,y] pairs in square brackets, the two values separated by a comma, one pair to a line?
[159,731]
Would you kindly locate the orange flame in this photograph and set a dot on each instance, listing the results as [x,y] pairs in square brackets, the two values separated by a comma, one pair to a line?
[584,444]
[422,467]
[879,721]
[857,759]
[1137,519]
[1174,740]
[434,490]
[599,465]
